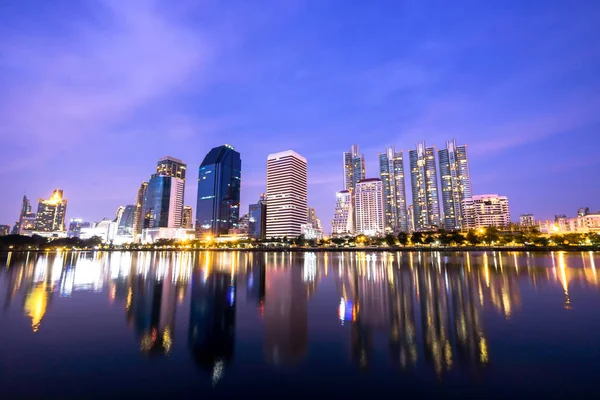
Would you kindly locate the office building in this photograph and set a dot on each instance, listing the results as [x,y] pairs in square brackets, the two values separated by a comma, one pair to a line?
[219,179]
[257,220]
[354,167]
[391,171]
[119,214]
[138,220]
[25,212]
[171,166]
[287,189]
[311,232]
[125,222]
[485,211]
[163,203]
[527,220]
[456,183]
[4,230]
[75,227]
[187,221]
[423,178]
[370,207]
[51,213]
[342,223]
[311,218]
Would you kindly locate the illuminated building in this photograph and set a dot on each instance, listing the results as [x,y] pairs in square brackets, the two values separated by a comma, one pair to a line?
[163,204]
[125,224]
[423,177]
[212,321]
[171,166]
[369,206]
[257,220]
[391,171]
[456,183]
[287,189]
[219,179]
[527,220]
[4,230]
[20,226]
[311,232]
[138,220]
[485,211]
[342,223]
[188,218]
[354,167]
[119,214]
[75,226]
[311,218]
[50,215]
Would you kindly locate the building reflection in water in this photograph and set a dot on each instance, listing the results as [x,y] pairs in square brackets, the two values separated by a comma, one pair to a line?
[429,306]
[287,284]
[212,315]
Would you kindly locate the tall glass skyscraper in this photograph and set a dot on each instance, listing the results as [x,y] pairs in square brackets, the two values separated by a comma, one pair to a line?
[163,203]
[219,178]
[257,220]
[456,183]
[423,178]
[51,213]
[138,220]
[125,226]
[354,168]
[391,171]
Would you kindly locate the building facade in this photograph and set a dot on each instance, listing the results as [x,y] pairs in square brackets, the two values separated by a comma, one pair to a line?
[4,230]
[19,227]
[423,177]
[138,219]
[527,220]
[488,210]
[51,213]
[163,203]
[311,232]
[391,172]
[287,190]
[342,223]
[354,167]
[187,219]
[370,208]
[257,220]
[125,222]
[456,183]
[218,203]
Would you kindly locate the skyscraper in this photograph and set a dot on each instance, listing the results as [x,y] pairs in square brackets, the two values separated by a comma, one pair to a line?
[391,171]
[25,211]
[138,221]
[219,178]
[125,222]
[187,220]
[354,167]
[456,183]
[342,217]
[163,203]
[423,177]
[171,166]
[370,207]
[287,189]
[50,215]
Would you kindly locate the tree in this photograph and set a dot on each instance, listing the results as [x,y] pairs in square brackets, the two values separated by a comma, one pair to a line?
[491,235]
[429,238]
[390,240]
[403,238]
[445,238]
[542,241]
[473,238]
[457,238]
[416,238]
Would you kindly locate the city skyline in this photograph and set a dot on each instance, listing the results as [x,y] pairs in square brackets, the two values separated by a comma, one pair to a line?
[440,75]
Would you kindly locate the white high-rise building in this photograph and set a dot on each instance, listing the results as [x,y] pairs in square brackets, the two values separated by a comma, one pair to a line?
[486,210]
[287,190]
[391,171]
[370,208]
[342,217]
[456,183]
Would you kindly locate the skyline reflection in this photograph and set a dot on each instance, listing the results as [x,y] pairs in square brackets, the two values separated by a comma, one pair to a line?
[431,309]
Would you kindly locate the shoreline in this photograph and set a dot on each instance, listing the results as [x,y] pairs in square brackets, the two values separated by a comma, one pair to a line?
[407,249]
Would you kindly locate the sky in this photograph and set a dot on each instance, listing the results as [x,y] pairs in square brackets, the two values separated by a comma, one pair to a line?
[93,93]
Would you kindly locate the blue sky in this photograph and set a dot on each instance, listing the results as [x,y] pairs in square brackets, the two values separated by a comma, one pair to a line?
[94,92]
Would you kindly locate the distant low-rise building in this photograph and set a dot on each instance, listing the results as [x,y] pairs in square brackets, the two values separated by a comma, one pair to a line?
[311,232]
[4,230]
[488,210]
[527,220]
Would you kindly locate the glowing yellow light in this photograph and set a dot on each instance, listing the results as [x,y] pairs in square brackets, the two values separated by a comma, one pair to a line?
[35,305]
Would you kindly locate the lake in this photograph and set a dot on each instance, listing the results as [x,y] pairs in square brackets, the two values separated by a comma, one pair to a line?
[345,324]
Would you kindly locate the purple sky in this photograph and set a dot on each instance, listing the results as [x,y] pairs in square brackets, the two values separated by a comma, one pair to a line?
[94,92]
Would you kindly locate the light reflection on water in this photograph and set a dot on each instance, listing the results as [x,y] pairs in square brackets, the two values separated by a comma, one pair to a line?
[430,310]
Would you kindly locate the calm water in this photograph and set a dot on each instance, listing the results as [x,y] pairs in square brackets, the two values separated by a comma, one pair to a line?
[232,325]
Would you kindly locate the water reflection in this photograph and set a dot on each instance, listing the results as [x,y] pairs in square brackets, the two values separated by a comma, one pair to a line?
[430,307]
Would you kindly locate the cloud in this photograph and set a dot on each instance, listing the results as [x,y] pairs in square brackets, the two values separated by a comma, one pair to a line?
[70,87]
